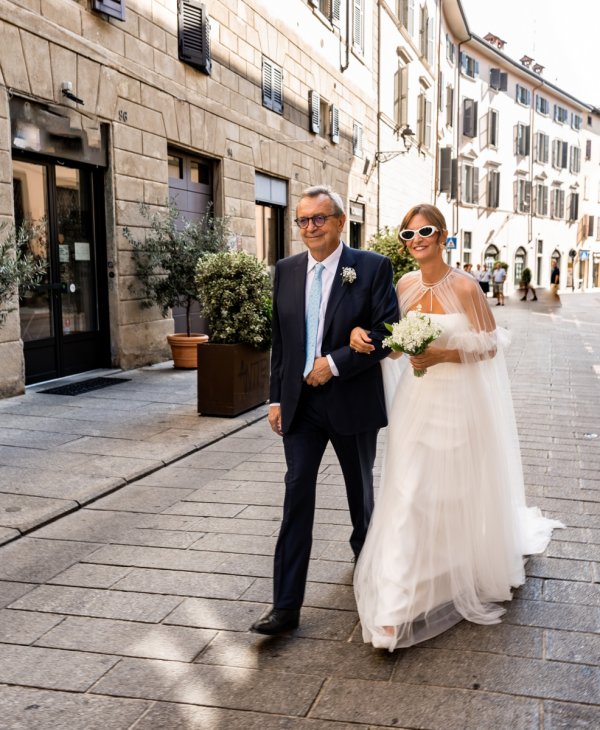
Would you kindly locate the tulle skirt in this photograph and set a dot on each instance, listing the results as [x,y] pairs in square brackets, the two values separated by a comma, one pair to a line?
[450,525]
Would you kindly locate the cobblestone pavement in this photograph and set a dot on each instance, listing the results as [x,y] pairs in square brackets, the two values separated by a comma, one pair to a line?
[133,611]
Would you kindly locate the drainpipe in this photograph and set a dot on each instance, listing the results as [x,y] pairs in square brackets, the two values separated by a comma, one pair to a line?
[457,117]
[436,161]
[530,213]
[345,65]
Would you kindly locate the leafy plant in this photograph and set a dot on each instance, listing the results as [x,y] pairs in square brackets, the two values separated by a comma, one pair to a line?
[236,297]
[385,242]
[525,276]
[166,259]
[19,269]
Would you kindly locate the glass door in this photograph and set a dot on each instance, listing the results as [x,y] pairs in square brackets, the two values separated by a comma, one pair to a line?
[64,321]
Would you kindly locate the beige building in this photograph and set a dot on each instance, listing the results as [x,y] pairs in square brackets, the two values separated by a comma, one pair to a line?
[106,104]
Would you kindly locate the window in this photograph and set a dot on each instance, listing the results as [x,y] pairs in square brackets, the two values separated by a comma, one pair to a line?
[557,203]
[576,121]
[469,66]
[445,169]
[575,159]
[314,112]
[573,206]
[424,122]
[520,261]
[357,139]
[272,86]
[194,35]
[271,196]
[358,26]
[522,140]
[449,105]
[559,154]
[467,243]
[493,127]
[541,199]
[469,118]
[114,8]
[469,184]
[334,123]
[449,50]
[426,35]
[523,95]
[406,14]
[522,195]
[542,147]
[560,114]
[493,189]
[498,79]
[401,96]
[542,105]
[329,8]
[588,149]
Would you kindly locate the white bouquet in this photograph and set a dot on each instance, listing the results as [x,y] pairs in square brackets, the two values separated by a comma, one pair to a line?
[412,335]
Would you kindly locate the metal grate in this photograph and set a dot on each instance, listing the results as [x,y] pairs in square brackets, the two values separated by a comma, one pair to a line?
[84,386]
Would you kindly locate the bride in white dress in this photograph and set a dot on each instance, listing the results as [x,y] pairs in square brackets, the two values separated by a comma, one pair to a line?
[450,526]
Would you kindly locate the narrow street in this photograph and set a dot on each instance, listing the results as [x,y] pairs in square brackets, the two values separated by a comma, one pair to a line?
[132,610]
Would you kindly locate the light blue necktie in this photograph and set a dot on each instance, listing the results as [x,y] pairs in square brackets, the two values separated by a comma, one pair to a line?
[312,319]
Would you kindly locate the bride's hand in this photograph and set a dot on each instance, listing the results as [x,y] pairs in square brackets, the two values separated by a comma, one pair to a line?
[432,356]
[360,341]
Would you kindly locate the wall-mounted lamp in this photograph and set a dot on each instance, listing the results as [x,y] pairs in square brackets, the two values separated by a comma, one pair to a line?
[67,90]
[408,138]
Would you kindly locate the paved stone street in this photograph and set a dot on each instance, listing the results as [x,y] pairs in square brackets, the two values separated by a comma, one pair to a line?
[131,610]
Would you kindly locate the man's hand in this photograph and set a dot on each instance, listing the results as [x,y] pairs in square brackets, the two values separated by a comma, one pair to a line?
[274,419]
[320,373]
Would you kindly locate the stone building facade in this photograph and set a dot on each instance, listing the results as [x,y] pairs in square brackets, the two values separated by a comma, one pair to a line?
[106,104]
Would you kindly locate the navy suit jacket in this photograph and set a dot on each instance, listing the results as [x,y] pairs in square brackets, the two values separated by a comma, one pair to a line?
[355,398]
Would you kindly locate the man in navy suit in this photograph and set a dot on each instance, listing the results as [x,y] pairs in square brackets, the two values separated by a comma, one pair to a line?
[321,390]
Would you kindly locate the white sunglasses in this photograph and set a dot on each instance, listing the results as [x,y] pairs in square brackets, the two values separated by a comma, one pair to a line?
[425,231]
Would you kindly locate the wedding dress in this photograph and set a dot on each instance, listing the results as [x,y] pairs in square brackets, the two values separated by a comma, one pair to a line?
[450,526]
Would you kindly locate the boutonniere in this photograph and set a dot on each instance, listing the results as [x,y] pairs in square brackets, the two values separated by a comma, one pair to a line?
[348,275]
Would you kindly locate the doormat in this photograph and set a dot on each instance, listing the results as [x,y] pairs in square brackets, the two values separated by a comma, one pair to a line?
[84,386]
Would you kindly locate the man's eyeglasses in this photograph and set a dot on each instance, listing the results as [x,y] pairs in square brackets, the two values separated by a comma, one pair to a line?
[318,220]
[425,231]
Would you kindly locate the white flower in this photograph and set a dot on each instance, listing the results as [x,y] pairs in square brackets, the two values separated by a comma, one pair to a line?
[412,335]
[348,275]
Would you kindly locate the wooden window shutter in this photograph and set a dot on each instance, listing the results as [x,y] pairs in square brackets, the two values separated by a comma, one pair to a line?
[590,230]
[277,90]
[427,124]
[267,83]
[335,12]
[588,149]
[445,169]
[454,179]
[495,78]
[194,35]
[114,8]
[410,27]
[475,198]
[469,118]
[334,123]
[450,106]
[314,111]
[357,25]
[357,141]
[430,40]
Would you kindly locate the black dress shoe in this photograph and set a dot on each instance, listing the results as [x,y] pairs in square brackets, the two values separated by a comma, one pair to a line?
[277,621]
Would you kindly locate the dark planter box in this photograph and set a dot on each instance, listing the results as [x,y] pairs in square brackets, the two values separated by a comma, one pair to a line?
[231,379]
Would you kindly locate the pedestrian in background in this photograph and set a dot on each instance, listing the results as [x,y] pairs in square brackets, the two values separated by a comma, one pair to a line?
[499,277]
[525,285]
[555,280]
[484,280]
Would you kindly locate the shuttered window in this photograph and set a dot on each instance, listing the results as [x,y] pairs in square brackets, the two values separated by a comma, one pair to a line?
[541,199]
[194,35]
[272,86]
[358,30]
[450,106]
[424,122]
[522,195]
[493,127]
[469,184]
[493,189]
[445,169]
[542,147]
[522,140]
[114,8]
[334,123]
[498,79]
[357,139]
[401,97]
[469,118]
[314,112]
[574,206]
[575,159]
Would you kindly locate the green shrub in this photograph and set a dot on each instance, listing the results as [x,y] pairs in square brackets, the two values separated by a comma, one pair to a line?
[235,293]
[19,269]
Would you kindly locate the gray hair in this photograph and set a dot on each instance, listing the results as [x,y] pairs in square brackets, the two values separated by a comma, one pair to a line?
[336,198]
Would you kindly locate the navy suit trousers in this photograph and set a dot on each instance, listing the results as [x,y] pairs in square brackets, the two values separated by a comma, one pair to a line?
[304,445]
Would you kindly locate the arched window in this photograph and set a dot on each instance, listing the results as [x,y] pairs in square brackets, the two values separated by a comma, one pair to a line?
[490,257]
[520,262]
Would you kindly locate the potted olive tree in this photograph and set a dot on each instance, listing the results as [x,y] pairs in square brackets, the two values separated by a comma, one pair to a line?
[235,293]
[19,269]
[165,263]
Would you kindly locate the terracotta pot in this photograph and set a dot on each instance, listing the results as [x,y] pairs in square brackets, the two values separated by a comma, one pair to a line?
[185,349]
[231,379]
